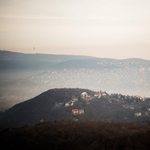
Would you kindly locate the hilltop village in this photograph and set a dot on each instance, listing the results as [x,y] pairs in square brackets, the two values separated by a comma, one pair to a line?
[134,103]
[78,104]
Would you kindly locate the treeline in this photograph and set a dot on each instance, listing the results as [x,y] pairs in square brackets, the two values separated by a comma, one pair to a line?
[81,135]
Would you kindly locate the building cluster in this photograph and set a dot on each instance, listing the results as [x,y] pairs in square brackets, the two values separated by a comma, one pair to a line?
[100,94]
[77,111]
[85,95]
[138,114]
[58,104]
[70,103]
[136,97]
[128,106]
[147,113]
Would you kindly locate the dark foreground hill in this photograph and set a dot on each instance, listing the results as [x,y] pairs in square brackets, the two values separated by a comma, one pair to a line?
[57,105]
[81,135]
[42,107]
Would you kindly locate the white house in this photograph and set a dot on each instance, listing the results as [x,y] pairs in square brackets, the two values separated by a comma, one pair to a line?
[71,103]
[104,94]
[66,104]
[99,96]
[74,99]
[137,114]
[84,94]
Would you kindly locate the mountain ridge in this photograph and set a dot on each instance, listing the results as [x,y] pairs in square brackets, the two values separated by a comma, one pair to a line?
[8,55]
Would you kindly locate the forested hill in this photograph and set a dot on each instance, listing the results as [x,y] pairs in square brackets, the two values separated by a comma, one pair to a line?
[41,107]
[58,104]
[81,135]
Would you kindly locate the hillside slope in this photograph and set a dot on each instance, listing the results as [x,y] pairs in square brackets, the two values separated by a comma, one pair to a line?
[57,104]
[41,107]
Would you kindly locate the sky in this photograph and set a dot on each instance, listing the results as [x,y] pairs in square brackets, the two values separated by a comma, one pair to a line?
[102,28]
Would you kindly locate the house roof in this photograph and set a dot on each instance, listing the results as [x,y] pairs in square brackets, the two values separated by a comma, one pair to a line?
[81,109]
[84,93]
[74,109]
[96,93]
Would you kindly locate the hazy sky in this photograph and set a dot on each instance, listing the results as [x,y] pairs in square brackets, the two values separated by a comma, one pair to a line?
[101,28]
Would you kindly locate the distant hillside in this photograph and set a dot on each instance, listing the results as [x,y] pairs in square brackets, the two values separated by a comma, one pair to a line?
[45,106]
[8,55]
[103,63]
[13,60]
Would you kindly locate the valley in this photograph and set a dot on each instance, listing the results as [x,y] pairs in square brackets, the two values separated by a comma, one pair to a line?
[23,76]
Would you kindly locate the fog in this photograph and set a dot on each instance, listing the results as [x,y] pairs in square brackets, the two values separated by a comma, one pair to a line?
[19,86]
